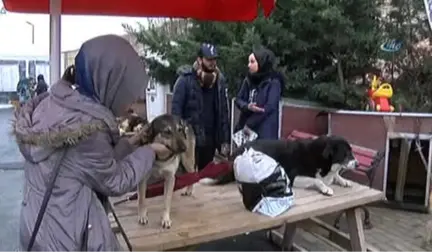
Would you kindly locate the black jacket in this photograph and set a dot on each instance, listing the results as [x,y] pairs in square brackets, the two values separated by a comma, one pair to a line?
[187,102]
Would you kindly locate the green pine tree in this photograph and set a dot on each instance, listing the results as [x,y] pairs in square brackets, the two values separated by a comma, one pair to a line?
[322,47]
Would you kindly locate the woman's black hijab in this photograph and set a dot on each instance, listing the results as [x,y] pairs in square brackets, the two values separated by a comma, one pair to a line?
[266,60]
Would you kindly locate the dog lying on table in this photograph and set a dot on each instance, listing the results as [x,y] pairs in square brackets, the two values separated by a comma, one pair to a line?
[309,163]
[179,138]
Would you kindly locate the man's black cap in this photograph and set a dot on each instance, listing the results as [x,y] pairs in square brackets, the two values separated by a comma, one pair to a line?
[208,51]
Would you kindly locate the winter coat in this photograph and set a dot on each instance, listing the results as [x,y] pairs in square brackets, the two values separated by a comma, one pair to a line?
[95,161]
[266,95]
[187,102]
[97,164]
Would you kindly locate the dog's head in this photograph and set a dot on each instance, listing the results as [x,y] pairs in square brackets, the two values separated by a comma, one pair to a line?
[170,131]
[339,151]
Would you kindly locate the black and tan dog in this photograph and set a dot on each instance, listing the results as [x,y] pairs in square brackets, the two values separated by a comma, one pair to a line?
[179,138]
[309,163]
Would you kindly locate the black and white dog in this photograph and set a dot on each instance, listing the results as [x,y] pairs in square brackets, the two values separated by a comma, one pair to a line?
[309,163]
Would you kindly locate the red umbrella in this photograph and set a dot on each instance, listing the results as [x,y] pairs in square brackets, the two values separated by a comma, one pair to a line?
[217,10]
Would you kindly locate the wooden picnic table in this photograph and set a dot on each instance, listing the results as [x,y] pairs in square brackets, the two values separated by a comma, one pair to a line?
[216,212]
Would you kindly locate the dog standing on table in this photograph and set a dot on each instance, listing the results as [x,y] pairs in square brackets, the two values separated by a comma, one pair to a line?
[179,138]
[309,163]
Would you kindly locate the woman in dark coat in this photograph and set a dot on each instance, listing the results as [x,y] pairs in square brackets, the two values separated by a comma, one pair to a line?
[259,96]
[41,87]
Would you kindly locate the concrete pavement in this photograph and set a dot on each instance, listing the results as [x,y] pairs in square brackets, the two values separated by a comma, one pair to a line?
[10,156]
[11,178]
[10,199]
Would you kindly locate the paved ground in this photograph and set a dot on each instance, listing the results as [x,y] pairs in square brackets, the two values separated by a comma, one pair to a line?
[395,230]
[9,153]
[10,183]
[10,197]
[398,230]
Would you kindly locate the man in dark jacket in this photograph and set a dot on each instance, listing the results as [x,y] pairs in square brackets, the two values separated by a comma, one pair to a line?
[200,98]
[41,87]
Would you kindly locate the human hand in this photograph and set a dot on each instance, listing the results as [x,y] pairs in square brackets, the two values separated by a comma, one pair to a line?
[133,138]
[225,149]
[161,150]
[254,108]
[247,130]
[140,136]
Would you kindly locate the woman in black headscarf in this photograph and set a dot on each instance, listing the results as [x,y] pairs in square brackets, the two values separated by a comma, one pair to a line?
[41,87]
[259,96]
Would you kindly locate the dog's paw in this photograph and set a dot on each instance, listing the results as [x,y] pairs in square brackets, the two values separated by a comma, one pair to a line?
[327,191]
[166,222]
[346,183]
[143,219]
[188,192]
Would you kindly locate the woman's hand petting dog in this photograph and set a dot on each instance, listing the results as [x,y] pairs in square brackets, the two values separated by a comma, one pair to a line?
[225,149]
[135,139]
[161,150]
[139,137]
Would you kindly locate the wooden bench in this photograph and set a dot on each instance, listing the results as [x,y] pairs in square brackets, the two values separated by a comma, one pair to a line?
[217,212]
[368,159]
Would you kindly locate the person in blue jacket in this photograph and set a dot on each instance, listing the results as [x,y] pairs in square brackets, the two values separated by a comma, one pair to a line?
[200,98]
[259,96]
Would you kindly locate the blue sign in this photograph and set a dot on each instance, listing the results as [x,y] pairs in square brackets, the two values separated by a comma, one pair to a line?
[391,46]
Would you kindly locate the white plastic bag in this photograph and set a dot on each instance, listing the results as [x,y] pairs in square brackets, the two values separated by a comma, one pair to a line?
[257,173]
[240,137]
[253,166]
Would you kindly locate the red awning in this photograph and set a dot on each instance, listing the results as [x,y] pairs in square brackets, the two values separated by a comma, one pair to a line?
[217,10]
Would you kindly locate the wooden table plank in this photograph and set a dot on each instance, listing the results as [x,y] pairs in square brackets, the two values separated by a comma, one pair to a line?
[216,212]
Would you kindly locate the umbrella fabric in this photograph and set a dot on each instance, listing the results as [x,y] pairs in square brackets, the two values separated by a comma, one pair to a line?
[212,170]
[217,10]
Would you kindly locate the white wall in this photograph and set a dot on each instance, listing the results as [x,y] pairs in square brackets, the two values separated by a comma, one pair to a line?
[156,95]
[9,74]
[9,77]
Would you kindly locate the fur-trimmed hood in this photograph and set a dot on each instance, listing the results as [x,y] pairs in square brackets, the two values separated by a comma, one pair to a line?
[60,118]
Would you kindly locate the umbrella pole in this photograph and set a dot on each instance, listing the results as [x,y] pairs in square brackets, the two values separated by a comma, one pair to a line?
[55,40]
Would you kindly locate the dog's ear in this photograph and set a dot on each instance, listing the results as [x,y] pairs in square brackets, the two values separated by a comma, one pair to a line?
[328,150]
[119,119]
[184,127]
[146,134]
[183,123]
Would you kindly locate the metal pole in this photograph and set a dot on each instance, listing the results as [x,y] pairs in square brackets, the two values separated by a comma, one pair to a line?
[55,40]
[392,67]
[32,32]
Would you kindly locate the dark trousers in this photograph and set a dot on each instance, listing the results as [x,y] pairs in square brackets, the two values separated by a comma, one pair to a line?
[204,155]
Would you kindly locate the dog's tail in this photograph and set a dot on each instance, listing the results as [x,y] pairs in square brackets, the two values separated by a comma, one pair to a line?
[208,181]
[227,177]
[220,180]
